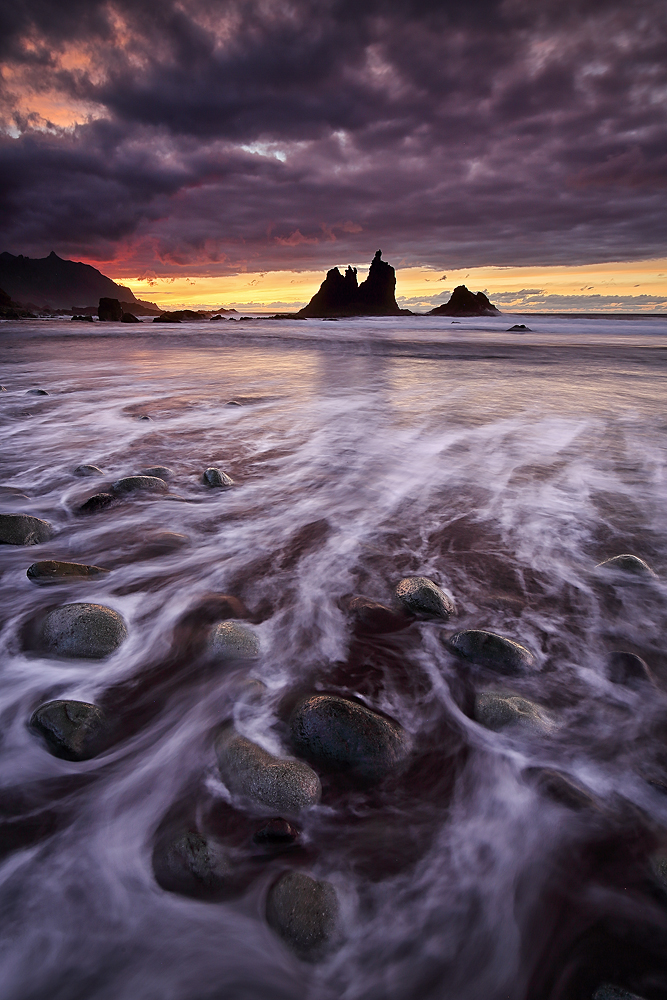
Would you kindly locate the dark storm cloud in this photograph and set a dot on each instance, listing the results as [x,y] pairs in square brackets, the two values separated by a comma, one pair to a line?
[299,134]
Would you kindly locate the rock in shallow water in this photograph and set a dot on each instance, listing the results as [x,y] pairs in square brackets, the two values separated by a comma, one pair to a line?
[139,484]
[97,502]
[343,736]
[277,832]
[215,477]
[193,866]
[628,669]
[609,992]
[87,470]
[420,596]
[282,785]
[159,471]
[493,651]
[53,571]
[72,730]
[497,711]
[23,529]
[627,563]
[304,912]
[375,618]
[82,631]
[231,641]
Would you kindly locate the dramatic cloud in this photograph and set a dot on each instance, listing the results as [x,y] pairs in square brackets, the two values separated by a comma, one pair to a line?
[262,134]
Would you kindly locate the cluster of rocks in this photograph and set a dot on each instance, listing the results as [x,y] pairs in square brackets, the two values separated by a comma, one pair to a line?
[153,481]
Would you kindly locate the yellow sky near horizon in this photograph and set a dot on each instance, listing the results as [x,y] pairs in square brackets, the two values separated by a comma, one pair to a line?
[276,290]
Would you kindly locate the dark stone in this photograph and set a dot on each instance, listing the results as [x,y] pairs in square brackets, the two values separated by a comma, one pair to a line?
[82,631]
[162,543]
[82,319]
[282,785]
[231,641]
[340,295]
[375,618]
[166,318]
[628,669]
[214,477]
[466,303]
[304,912]
[497,711]
[560,788]
[161,471]
[36,392]
[193,866]
[23,529]
[72,730]
[181,316]
[493,651]
[97,502]
[53,571]
[519,328]
[340,735]
[129,318]
[276,831]
[110,310]
[609,992]
[420,596]
[627,563]
[87,470]
[139,484]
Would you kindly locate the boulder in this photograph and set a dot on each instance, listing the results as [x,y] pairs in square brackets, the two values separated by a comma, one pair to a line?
[420,596]
[627,563]
[519,328]
[340,295]
[609,992]
[463,302]
[214,477]
[82,631]
[87,470]
[277,832]
[162,543]
[231,641]
[82,319]
[160,471]
[486,649]
[36,392]
[339,735]
[53,571]
[129,318]
[304,911]
[496,711]
[97,502]
[190,864]
[72,730]
[23,529]
[375,618]
[628,669]
[281,785]
[139,484]
[110,310]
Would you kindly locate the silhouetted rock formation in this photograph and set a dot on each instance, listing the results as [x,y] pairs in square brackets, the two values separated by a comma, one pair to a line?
[466,303]
[340,295]
[10,309]
[56,283]
[110,310]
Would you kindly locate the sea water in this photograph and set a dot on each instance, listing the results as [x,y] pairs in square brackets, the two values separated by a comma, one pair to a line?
[503,466]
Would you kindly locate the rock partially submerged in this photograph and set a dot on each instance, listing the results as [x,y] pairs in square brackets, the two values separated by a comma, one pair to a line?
[82,631]
[340,295]
[159,471]
[100,501]
[72,730]
[190,864]
[487,649]
[304,911]
[109,310]
[375,618]
[628,563]
[496,710]
[230,641]
[463,302]
[217,478]
[23,529]
[420,596]
[281,785]
[87,470]
[339,735]
[53,571]
[139,484]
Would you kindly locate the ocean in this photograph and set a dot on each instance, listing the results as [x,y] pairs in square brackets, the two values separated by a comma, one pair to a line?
[511,863]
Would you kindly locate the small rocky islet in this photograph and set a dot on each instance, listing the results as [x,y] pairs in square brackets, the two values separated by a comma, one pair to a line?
[332,736]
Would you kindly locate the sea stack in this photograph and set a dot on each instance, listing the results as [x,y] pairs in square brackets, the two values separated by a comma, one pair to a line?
[340,295]
[463,302]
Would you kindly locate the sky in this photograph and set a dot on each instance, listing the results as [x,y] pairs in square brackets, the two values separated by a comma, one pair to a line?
[228,152]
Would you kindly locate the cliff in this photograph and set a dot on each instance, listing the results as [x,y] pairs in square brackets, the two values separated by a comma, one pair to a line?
[465,303]
[341,295]
[55,283]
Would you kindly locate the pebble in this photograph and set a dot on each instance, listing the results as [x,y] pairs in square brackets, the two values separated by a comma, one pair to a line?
[498,711]
[304,912]
[493,651]
[97,502]
[231,641]
[82,631]
[628,669]
[36,392]
[420,596]
[628,563]
[276,831]
[136,484]
[341,735]
[282,785]
[160,471]
[23,529]
[72,730]
[214,477]
[194,866]
[87,470]
[52,571]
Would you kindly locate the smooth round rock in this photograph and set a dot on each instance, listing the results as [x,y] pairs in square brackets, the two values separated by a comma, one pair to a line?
[375,618]
[36,392]
[215,477]
[231,641]
[627,563]
[97,502]
[72,730]
[339,735]
[158,471]
[498,711]
[609,992]
[420,596]
[139,484]
[163,543]
[82,631]
[277,832]
[87,470]
[23,529]
[53,571]
[493,651]
[628,669]
[304,911]
[193,866]
[281,785]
